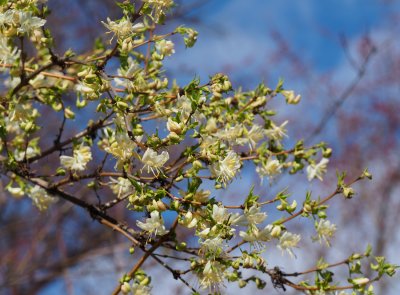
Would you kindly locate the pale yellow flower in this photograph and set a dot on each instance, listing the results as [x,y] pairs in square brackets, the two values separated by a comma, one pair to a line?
[41,199]
[317,170]
[227,168]
[288,241]
[124,28]
[276,132]
[153,161]
[154,224]
[78,161]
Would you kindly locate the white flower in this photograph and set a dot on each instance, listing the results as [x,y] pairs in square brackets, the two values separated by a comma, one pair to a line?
[251,217]
[23,112]
[325,230]
[213,247]
[212,275]
[220,214]
[154,224]
[201,196]
[165,47]
[189,220]
[122,147]
[8,55]
[138,289]
[231,134]
[160,7]
[122,186]
[317,170]
[78,161]
[254,135]
[30,152]
[204,233]
[226,169]
[82,88]
[6,18]
[175,127]
[288,241]
[128,72]
[123,29]
[270,168]
[27,22]
[41,81]
[276,132]
[41,199]
[153,161]
[254,234]
[183,107]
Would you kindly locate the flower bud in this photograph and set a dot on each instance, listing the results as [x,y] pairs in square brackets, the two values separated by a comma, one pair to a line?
[276,231]
[173,126]
[307,208]
[242,284]
[175,205]
[360,281]
[125,288]
[290,97]
[197,164]
[173,137]
[161,206]
[145,282]
[69,114]
[327,153]
[236,264]
[348,192]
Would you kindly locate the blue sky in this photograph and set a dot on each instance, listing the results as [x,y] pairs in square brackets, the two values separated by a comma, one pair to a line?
[233,32]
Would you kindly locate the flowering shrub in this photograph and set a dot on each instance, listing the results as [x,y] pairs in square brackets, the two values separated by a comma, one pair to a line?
[211,132]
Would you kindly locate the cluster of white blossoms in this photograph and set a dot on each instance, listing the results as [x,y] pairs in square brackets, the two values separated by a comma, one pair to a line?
[8,54]
[40,198]
[17,22]
[165,47]
[251,218]
[121,147]
[81,156]
[221,224]
[160,7]
[135,289]
[123,28]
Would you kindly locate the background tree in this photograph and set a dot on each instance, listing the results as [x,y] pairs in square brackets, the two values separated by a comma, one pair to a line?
[83,217]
